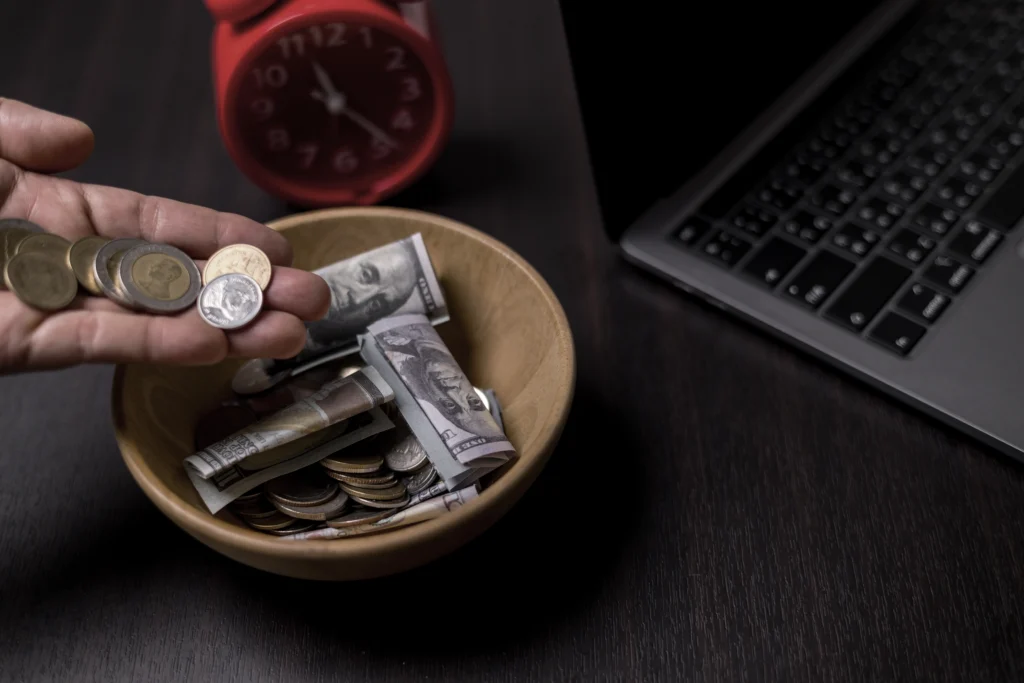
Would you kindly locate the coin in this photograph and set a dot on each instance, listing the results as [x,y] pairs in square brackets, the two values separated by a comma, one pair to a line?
[353,463]
[373,481]
[45,241]
[304,488]
[359,517]
[278,520]
[19,224]
[295,527]
[81,258]
[421,480]
[253,495]
[105,268]
[239,258]
[405,454]
[254,509]
[332,508]
[10,238]
[41,280]
[390,493]
[231,301]
[382,504]
[222,422]
[160,278]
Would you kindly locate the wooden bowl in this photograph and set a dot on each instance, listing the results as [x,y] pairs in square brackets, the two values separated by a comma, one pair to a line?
[507,331]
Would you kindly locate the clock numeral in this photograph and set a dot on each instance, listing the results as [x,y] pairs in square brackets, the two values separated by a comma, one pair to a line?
[379,149]
[317,34]
[275,75]
[397,58]
[336,34]
[263,107]
[278,139]
[410,89]
[308,152]
[296,41]
[345,161]
[367,36]
[402,120]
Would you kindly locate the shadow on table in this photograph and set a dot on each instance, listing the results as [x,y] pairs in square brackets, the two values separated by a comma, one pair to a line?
[543,563]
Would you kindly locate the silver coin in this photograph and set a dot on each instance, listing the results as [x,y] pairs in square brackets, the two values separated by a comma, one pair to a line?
[318,513]
[160,278]
[359,517]
[303,488]
[231,301]
[293,528]
[405,454]
[106,272]
[381,504]
[421,480]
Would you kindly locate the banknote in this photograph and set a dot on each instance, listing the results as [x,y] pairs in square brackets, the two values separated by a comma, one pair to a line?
[428,509]
[389,280]
[495,408]
[257,445]
[427,493]
[299,387]
[436,399]
[223,488]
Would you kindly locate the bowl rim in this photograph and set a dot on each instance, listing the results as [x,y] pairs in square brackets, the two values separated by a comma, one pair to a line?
[491,501]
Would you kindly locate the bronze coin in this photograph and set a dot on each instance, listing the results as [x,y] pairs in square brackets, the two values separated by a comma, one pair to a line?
[269,523]
[332,508]
[304,488]
[295,527]
[392,504]
[358,517]
[390,493]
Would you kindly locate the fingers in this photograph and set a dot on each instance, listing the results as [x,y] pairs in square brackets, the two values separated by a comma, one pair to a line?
[38,140]
[295,291]
[273,335]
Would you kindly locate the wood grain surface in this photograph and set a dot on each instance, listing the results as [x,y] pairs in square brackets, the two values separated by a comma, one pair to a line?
[720,508]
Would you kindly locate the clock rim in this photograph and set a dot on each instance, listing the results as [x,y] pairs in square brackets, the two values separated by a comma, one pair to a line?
[410,170]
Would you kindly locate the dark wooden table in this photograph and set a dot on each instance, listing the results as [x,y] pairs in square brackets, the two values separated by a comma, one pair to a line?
[720,508]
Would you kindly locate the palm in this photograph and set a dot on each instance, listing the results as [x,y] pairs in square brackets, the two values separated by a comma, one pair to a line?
[93,329]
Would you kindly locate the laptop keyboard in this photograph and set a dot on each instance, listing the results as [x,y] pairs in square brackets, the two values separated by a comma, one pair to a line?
[901,194]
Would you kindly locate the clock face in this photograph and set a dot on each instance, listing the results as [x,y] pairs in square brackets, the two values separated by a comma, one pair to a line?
[334,104]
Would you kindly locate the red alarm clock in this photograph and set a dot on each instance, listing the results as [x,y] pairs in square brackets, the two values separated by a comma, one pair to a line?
[328,102]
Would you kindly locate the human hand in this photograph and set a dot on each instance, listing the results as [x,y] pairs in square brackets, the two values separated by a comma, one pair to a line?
[34,142]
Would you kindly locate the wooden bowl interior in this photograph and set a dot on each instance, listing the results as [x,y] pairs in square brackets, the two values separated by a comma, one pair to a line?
[506,331]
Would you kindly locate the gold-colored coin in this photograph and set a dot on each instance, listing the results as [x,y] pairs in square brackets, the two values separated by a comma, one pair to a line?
[390,493]
[370,481]
[41,280]
[353,463]
[82,256]
[293,528]
[239,258]
[358,518]
[271,523]
[45,241]
[381,504]
[11,235]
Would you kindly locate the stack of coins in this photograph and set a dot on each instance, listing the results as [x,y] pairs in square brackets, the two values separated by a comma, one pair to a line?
[46,271]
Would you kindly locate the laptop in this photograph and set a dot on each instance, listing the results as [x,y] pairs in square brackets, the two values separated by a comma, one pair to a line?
[848,176]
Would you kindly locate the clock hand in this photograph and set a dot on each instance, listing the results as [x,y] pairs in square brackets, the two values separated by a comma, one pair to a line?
[369,127]
[325,81]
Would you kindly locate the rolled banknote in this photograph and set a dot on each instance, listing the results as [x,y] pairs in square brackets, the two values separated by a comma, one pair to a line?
[429,509]
[427,493]
[256,446]
[436,399]
[223,488]
[393,279]
[297,388]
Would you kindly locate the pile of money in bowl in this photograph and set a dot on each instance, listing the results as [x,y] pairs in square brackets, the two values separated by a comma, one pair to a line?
[374,426]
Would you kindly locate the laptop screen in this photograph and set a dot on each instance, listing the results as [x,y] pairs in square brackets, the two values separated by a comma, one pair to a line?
[664,86]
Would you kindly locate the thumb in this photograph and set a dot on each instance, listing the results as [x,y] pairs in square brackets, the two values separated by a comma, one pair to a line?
[38,140]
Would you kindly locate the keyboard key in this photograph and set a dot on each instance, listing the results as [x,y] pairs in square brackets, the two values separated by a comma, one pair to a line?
[980,168]
[855,240]
[935,219]
[1003,142]
[725,248]
[807,227]
[818,279]
[693,229]
[975,242]
[753,220]
[958,193]
[904,188]
[923,302]
[804,169]
[948,273]
[911,246]
[858,173]
[780,194]
[928,160]
[834,199]
[864,298]
[879,213]
[897,333]
[774,261]
[1005,207]
[880,149]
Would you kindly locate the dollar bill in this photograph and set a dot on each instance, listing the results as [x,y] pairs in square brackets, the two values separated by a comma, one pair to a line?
[427,510]
[257,445]
[226,486]
[436,399]
[393,279]
[495,407]
[428,493]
